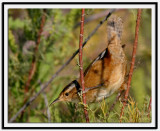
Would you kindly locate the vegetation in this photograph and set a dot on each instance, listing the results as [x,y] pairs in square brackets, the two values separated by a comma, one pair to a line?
[58,41]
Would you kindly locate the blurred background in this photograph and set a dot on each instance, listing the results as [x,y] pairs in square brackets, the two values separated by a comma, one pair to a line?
[34,58]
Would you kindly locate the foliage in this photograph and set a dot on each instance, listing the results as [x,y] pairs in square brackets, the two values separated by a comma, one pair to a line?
[59,40]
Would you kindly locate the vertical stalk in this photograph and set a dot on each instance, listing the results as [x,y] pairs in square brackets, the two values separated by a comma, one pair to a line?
[133,60]
[81,64]
[33,65]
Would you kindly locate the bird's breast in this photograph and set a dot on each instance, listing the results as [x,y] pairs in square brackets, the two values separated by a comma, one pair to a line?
[109,90]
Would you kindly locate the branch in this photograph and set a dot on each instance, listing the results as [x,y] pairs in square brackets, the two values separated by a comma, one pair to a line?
[114,103]
[93,17]
[61,68]
[46,103]
[33,65]
[81,64]
[133,60]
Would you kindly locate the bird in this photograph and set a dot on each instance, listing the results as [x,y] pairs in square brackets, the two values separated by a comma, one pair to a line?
[105,74]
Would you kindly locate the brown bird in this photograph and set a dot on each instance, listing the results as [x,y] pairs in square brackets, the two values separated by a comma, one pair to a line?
[105,74]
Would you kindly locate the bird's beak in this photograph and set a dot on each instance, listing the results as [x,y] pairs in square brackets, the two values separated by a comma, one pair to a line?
[55,101]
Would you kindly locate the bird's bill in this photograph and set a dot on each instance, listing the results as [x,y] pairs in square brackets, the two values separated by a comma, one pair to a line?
[55,101]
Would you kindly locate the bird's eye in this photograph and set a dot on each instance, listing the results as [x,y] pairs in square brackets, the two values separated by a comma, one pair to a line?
[66,94]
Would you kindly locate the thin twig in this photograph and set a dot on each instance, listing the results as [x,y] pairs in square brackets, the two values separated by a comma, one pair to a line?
[46,103]
[133,61]
[93,17]
[114,103]
[61,68]
[81,64]
[33,65]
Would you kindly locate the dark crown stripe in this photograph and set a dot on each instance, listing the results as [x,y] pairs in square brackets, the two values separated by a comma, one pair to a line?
[77,85]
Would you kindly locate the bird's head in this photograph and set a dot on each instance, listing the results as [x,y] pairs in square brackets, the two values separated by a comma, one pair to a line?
[69,93]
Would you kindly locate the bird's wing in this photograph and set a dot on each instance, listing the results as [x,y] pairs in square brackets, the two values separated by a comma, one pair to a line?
[105,53]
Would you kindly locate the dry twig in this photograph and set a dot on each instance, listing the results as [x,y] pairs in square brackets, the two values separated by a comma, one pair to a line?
[33,65]
[93,17]
[46,103]
[114,103]
[133,61]
[81,64]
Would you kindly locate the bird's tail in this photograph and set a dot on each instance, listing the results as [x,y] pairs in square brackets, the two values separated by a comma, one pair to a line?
[114,28]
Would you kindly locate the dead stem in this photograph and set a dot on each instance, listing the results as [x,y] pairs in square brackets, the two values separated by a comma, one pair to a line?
[133,61]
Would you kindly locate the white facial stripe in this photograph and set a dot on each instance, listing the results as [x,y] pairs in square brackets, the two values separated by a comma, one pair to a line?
[71,87]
